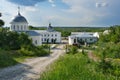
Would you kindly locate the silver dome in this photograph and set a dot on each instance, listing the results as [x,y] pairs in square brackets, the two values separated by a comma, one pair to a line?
[19,19]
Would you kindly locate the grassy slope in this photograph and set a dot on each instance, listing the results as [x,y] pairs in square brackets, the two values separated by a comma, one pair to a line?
[9,58]
[74,67]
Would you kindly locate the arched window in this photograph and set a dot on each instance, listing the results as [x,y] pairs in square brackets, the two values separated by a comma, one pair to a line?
[13,27]
[52,35]
[35,41]
[22,27]
[56,35]
[45,35]
[17,27]
[25,27]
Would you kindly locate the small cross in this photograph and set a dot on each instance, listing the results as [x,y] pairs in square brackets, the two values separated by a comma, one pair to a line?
[18,10]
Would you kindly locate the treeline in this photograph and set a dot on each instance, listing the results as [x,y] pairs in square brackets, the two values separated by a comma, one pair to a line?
[66,31]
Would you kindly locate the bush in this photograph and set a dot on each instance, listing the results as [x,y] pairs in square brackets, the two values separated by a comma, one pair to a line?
[73,49]
[30,50]
[6,59]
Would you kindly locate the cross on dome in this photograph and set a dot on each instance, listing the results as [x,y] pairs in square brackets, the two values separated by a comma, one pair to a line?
[18,10]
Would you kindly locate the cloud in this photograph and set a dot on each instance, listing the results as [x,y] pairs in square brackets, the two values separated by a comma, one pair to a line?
[31,9]
[26,2]
[52,3]
[101,4]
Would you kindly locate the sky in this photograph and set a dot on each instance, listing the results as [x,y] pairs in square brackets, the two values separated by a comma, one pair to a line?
[93,13]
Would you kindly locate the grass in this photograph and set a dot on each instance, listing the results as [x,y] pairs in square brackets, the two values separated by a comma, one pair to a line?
[10,58]
[13,57]
[75,67]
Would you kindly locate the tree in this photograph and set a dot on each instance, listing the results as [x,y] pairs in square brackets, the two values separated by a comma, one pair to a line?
[1,21]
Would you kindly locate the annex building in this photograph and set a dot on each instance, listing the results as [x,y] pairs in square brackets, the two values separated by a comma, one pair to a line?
[83,37]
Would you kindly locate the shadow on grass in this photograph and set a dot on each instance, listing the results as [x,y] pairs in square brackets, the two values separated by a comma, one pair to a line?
[10,69]
[6,60]
[16,72]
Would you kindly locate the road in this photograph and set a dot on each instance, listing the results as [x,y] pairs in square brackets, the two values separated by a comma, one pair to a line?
[31,68]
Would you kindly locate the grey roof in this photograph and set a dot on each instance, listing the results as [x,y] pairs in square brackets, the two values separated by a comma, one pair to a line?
[19,18]
[44,31]
[33,33]
[83,35]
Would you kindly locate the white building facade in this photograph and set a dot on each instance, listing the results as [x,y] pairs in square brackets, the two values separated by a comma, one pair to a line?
[38,37]
[83,37]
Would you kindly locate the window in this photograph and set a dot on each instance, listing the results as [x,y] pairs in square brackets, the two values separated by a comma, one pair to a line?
[48,35]
[14,27]
[45,39]
[35,41]
[52,35]
[55,34]
[45,35]
[42,39]
[91,39]
[17,27]
[75,41]
[85,40]
[22,27]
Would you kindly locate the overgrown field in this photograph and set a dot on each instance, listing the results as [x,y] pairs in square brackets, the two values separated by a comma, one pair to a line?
[75,67]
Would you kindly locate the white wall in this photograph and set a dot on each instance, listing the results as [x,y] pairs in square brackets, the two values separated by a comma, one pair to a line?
[87,39]
[71,40]
[19,27]
[36,40]
[50,36]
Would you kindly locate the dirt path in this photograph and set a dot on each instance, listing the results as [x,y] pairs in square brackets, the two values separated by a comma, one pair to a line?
[32,68]
[92,56]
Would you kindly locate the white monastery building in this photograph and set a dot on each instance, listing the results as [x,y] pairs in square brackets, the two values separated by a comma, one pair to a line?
[85,37]
[20,24]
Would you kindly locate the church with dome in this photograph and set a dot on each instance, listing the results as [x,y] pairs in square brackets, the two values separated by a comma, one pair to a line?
[38,37]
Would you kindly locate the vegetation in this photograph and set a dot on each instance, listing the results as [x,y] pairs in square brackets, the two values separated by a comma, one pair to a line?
[1,21]
[72,49]
[15,47]
[109,52]
[80,67]
[75,67]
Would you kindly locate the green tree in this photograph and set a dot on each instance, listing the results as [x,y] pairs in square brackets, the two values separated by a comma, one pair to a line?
[1,21]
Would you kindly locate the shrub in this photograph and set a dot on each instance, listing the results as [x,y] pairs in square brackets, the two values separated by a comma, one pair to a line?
[6,59]
[73,49]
